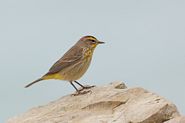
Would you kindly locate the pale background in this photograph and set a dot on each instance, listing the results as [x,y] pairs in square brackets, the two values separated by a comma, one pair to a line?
[145,46]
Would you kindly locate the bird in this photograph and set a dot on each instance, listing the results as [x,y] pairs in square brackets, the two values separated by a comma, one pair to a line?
[73,64]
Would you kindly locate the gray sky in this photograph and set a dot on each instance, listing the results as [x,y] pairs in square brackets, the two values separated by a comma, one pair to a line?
[145,46]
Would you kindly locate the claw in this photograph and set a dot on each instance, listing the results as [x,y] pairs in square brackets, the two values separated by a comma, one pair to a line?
[81,93]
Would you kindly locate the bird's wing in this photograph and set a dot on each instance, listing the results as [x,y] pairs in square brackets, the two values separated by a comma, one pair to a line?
[70,57]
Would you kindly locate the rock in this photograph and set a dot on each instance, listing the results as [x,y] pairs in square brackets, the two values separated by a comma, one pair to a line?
[113,103]
[180,119]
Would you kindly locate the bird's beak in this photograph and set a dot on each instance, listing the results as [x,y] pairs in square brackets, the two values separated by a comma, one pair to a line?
[100,42]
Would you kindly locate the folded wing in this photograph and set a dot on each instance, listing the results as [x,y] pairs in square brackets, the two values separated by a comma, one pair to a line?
[71,57]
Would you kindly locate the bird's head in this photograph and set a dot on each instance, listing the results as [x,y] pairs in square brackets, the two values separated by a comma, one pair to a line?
[89,42]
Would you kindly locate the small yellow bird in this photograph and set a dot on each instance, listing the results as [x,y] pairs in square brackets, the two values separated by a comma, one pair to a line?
[73,64]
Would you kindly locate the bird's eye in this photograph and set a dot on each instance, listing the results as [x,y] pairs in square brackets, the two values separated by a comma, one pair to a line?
[93,41]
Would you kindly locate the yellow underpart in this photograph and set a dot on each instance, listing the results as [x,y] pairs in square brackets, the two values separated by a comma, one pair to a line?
[89,51]
[53,76]
[94,46]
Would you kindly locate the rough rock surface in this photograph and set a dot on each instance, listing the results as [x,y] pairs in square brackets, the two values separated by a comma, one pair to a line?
[180,119]
[113,103]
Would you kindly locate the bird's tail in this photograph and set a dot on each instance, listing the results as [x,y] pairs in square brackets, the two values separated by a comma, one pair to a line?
[40,79]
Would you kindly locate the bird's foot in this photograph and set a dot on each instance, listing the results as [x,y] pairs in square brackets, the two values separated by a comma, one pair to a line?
[80,92]
[86,87]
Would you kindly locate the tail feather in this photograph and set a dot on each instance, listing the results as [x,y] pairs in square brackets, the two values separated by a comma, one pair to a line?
[40,79]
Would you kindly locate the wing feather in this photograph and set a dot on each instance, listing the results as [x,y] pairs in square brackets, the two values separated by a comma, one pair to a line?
[71,57]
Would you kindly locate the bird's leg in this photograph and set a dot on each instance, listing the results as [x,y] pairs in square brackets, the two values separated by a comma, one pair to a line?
[78,91]
[79,84]
[83,87]
[74,86]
